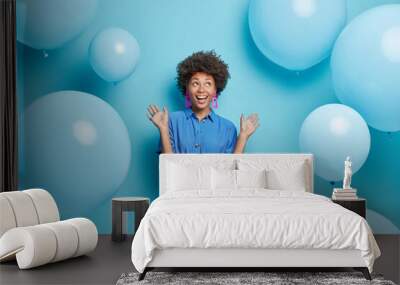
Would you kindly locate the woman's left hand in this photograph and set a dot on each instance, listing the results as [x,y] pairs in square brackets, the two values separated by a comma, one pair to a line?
[248,125]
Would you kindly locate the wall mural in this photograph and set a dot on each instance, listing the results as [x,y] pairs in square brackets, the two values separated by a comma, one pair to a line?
[73,137]
[320,77]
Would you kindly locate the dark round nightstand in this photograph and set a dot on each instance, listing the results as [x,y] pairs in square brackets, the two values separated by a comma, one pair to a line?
[125,204]
[357,205]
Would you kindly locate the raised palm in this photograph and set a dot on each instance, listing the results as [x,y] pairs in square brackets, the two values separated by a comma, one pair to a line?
[159,118]
[248,125]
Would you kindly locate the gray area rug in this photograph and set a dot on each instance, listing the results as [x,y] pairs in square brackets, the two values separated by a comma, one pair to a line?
[228,278]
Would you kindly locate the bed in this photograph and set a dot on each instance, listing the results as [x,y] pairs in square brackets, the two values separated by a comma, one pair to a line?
[247,210]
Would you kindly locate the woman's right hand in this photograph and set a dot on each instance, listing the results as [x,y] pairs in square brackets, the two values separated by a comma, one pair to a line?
[159,118]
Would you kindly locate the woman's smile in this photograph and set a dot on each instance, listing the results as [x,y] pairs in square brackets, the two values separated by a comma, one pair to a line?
[202,99]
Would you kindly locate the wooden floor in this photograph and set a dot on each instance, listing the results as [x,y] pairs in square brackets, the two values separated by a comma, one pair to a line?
[111,259]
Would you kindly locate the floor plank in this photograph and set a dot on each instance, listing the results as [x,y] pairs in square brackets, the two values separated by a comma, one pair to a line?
[388,263]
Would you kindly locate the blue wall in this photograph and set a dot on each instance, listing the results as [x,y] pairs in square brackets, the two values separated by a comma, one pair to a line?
[167,32]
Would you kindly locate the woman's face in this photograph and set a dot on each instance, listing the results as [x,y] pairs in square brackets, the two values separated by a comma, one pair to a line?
[201,89]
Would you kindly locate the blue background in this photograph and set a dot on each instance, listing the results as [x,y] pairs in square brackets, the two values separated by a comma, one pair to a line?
[167,32]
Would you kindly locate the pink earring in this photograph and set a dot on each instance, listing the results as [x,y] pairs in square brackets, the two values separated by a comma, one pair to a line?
[188,104]
[215,102]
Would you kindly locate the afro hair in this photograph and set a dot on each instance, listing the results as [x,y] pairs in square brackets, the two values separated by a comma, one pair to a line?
[203,61]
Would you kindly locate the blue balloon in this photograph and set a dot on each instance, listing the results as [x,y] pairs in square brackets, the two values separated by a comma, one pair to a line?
[365,66]
[48,24]
[114,54]
[77,147]
[332,132]
[296,34]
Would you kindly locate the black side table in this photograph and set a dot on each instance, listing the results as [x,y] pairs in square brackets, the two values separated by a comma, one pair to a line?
[357,205]
[125,204]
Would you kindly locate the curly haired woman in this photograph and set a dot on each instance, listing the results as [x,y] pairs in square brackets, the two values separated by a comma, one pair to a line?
[198,129]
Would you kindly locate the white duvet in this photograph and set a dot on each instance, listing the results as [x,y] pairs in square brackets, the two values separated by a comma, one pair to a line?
[251,218]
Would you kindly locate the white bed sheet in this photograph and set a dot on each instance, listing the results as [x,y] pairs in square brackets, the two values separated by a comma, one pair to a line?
[250,218]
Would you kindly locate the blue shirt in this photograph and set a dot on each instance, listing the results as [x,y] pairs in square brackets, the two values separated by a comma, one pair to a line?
[213,134]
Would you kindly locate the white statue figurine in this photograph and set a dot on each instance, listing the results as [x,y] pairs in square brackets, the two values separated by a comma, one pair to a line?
[347,173]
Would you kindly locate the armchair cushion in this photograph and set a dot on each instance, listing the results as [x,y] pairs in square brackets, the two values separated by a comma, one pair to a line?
[40,244]
[31,232]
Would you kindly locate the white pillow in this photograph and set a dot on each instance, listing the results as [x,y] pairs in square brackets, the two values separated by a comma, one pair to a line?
[251,178]
[237,179]
[281,174]
[182,177]
[287,179]
[223,179]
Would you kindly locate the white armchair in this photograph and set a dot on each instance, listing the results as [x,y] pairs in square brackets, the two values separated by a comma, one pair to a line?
[31,230]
